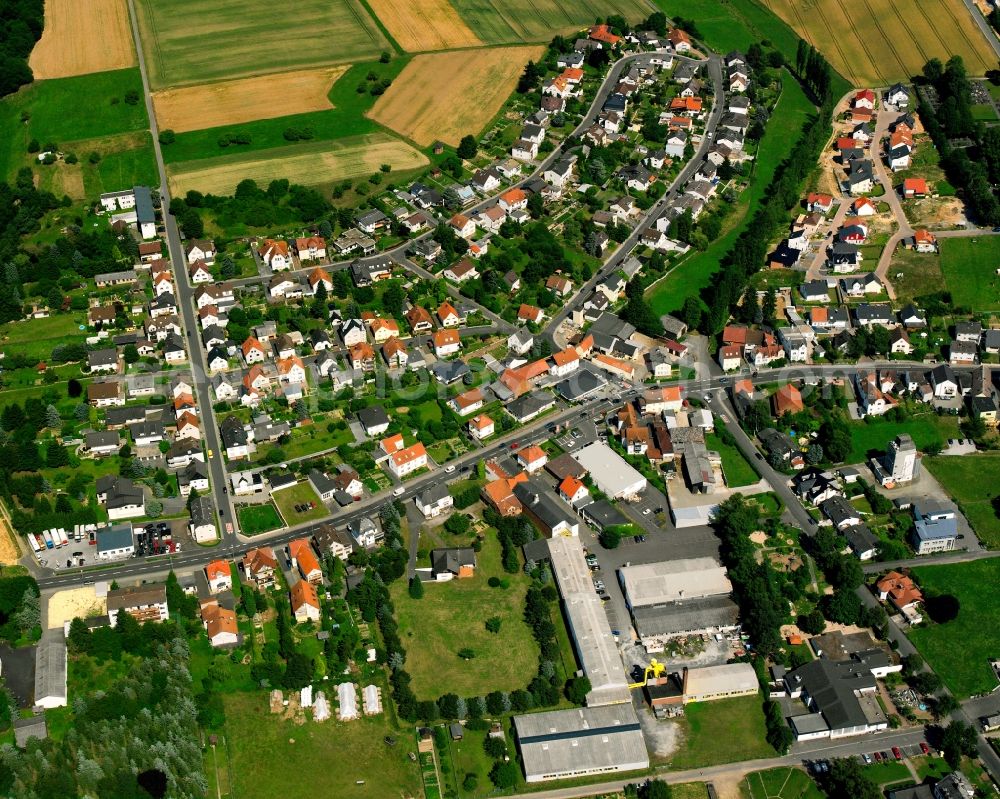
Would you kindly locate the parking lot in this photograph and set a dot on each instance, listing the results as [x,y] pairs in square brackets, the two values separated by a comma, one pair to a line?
[154,538]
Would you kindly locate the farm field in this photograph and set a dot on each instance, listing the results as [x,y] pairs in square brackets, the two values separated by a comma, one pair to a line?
[235,38]
[971,480]
[878,41]
[960,650]
[424,24]
[269,756]
[448,95]
[313,164]
[724,731]
[344,117]
[499,22]
[229,102]
[780,783]
[451,616]
[690,276]
[299,494]
[736,24]
[970,272]
[80,38]
[116,130]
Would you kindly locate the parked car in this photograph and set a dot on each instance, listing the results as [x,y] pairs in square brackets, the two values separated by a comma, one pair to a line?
[896,753]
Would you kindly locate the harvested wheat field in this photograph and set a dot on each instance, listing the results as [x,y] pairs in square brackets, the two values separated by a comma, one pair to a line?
[82,37]
[448,95]
[246,99]
[424,24]
[310,165]
[9,553]
[877,42]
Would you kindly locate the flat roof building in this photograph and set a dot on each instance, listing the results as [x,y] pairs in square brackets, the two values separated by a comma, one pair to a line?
[610,472]
[561,744]
[50,670]
[673,580]
[588,623]
[720,682]
[674,598]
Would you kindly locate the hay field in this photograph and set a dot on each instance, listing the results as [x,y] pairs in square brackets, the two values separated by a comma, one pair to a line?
[312,164]
[82,37]
[245,99]
[420,25]
[194,41]
[448,95]
[876,42]
[508,21]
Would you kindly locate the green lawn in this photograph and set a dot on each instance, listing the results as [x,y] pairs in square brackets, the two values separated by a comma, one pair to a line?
[256,519]
[346,118]
[694,273]
[959,650]
[724,731]
[314,33]
[736,468]
[35,338]
[925,428]
[299,494]
[969,266]
[972,481]
[780,783]
[52,108]
[271,757]
[307,440]
[452,616]
[469,757]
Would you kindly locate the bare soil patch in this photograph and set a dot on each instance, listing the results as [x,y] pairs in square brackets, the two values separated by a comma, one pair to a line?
[420,25]
[212,105]
[67,605]
[448,95]
[82,37]
[8,549]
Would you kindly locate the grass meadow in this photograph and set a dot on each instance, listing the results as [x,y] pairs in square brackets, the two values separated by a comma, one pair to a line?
[234,38]
[255,519]
[737,469]
[48,112]
[970,272]
[925,428]
[452,616]
[692,274]
[971,480]
[299,494]
[960,650]
[269,756]
[724,731]
[780,783]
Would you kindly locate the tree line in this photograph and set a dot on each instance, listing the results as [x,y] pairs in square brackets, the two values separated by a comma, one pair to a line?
[969,151]
[20,28]
[722,296]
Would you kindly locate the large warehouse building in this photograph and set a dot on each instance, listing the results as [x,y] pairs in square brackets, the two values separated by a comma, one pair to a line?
[562,744]
[677,598]
[588,623]
[610,471]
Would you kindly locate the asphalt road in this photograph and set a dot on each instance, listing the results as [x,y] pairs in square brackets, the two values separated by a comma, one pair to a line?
[614,259]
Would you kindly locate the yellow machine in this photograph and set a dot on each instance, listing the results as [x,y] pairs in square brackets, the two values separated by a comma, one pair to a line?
[655,669]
